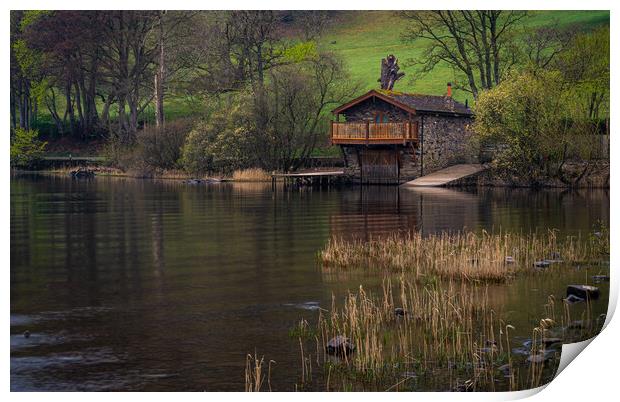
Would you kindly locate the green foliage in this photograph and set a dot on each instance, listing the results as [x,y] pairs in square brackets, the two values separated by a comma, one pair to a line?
[536,121]
[585,66]
[300,52]
[222,142]
[26,148]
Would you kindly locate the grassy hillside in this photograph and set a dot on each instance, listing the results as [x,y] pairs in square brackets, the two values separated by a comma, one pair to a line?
[364,38]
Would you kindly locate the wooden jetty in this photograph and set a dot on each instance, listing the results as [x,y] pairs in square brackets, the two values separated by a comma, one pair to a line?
[446,176]
[312,178]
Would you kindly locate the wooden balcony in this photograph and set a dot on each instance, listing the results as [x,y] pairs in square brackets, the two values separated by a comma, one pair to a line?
[374,133]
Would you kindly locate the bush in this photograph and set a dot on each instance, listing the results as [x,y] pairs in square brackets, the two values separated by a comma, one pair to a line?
[223,143]
[26,148]
[155,149]
[161,148]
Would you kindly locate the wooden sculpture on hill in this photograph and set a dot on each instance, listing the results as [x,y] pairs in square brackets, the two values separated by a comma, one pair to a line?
[389,72]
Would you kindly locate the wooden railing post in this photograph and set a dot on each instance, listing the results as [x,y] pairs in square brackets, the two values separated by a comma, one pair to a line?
[367,131]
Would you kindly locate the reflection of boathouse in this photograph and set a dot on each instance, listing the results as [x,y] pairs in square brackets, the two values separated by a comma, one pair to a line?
[370,213]
[392,137]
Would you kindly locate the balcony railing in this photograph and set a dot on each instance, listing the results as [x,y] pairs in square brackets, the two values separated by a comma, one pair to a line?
[374,133]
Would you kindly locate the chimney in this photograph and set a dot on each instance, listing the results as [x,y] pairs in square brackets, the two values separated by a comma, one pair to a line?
[449,94]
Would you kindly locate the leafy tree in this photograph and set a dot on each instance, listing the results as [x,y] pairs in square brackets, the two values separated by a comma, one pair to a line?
[26,148]
[585,67]
[533,119]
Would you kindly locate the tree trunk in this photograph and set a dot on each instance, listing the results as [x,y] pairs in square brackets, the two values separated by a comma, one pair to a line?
[159,80]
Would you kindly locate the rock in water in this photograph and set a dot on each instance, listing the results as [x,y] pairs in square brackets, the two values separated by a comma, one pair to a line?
[82,174]
[340,346]
[540,357]
[26,334]
[551,341]
[400,311]
[542,264]
[583,291]
[600,278]
[572,299]
[510,260]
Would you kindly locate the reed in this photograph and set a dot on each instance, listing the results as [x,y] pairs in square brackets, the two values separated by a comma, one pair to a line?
[449,332]
[464,256]
[253,174]
[254,377]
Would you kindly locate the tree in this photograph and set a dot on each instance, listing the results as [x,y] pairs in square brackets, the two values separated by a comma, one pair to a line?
[585,67]
[26,148]
[68,43]
[298,97]
[476,44]
[538,127]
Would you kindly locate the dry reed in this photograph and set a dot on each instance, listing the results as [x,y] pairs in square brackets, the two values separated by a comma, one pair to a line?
[449,329]
[253,174]
[464,256]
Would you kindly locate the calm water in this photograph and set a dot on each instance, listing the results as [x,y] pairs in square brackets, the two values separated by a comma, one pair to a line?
[140,285]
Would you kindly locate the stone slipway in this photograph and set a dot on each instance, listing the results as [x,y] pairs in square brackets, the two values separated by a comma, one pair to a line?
[445,176]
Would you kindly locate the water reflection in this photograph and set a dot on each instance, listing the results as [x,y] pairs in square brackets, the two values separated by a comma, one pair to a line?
[143,285]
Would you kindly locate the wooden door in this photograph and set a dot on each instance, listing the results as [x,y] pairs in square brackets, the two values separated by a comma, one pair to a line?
[379,166]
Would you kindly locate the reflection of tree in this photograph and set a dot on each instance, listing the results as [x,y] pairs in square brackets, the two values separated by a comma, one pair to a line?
[157,242]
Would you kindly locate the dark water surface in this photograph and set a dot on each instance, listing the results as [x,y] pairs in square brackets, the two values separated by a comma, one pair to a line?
[142,285]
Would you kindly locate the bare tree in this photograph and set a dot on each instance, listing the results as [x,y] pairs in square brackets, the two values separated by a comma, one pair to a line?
[543,45]
[474,43]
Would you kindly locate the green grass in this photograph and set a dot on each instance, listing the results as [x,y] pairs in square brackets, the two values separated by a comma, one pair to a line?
[362,39]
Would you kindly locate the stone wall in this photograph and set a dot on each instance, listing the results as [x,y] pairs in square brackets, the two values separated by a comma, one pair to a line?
[446,142]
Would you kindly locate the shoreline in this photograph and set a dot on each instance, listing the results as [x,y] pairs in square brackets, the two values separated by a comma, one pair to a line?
[479,182]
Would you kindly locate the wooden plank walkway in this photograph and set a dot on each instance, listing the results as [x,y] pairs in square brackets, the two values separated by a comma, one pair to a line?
[311,178]
[445,176]
[310,174]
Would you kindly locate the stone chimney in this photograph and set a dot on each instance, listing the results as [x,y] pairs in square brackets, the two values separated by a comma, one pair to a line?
[449,93]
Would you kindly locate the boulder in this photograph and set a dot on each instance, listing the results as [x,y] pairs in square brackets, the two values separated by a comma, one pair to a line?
[339,345]
[583,291]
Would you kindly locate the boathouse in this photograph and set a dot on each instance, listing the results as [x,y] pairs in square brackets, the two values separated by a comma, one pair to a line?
[390,137]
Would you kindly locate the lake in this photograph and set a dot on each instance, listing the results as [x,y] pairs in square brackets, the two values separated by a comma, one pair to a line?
[128,284]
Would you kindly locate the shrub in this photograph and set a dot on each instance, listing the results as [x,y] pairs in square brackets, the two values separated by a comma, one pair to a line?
[223,142]
[26,148]
[161,148]
[155,149]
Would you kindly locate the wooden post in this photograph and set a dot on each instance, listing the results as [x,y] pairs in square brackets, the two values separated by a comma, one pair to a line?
[367,131]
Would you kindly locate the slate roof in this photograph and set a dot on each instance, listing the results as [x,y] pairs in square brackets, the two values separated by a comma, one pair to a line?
[430,103]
